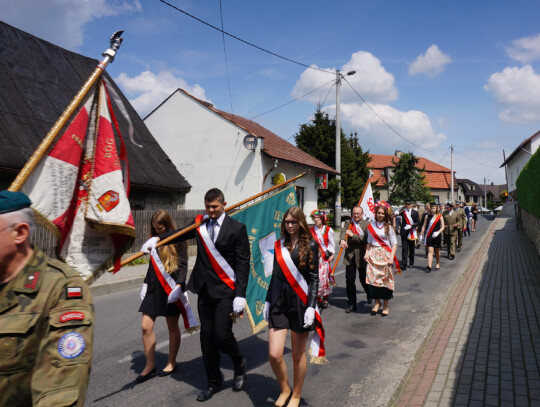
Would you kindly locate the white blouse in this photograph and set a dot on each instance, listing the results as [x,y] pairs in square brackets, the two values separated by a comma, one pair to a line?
[331,240]
[390,240]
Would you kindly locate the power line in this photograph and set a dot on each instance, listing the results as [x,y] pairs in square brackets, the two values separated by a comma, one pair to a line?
[384,121]
[291,101]
[480,148]
[244,41]
[225,54]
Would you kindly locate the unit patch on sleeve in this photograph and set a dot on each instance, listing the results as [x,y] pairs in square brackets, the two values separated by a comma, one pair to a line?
[71,345]
[72,316]
[73,292]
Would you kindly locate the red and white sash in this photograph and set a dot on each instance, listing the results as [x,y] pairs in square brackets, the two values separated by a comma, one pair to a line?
[219,264]
[190,320]
[431,226]
[384,245]
[321,239]
[356,229]
[300,287]
[412,235]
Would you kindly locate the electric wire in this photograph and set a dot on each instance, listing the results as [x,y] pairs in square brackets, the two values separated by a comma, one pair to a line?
[291,101]
[384,121]
[225,54]
[244,41]
[329,90]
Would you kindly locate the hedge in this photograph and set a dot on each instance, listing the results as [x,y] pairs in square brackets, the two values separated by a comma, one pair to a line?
[528,185]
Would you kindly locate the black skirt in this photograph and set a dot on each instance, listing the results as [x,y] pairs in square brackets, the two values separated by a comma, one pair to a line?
[155,302]
[288,310]
[434,242]
[380,293]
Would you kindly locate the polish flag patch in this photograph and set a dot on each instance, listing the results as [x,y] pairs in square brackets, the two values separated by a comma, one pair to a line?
[73,292]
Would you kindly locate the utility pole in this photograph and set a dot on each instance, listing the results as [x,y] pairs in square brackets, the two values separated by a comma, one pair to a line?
[337,212]
[452,173]
[485,195]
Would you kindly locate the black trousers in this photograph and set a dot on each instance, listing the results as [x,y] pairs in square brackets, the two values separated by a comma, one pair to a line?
[350,278]
[217,335]
[407,252]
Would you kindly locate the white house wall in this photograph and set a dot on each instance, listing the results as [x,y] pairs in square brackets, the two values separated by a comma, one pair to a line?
[206,149]
[517,163]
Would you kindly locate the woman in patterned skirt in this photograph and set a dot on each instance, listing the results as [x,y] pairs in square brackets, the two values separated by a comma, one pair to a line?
[324,236]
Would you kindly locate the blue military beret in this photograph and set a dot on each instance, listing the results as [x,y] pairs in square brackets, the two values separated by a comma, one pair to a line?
[13,201]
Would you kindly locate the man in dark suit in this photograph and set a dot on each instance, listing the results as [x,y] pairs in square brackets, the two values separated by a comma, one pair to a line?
[219,278]
[409,223]
[353,240]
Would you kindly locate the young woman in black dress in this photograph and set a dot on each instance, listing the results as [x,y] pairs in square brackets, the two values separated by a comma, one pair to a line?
[284,310]
[432,229]
[154,299]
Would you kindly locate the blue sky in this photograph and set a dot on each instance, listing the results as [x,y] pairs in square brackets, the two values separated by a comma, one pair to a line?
[462,73]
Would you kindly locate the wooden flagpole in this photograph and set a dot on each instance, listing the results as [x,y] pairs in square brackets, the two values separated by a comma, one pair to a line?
[42,149]
[197,224]
[346,236]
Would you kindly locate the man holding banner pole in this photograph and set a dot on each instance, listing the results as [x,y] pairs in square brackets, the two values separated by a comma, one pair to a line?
[219,278]
[409,223]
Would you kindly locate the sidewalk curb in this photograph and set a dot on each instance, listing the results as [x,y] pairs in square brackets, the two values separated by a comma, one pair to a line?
[423,345]
[110,288]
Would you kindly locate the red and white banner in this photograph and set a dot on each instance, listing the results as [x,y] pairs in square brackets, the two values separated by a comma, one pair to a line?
[300,287]
[368,204]
[78,190]
[168,284]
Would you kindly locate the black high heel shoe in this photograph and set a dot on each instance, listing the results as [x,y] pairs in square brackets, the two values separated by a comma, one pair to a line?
[142,378]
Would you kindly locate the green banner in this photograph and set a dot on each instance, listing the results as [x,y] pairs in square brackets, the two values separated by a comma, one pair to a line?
[263,222]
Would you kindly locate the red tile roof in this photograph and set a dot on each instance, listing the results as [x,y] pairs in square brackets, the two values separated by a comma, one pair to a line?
[437,176]
[273,145]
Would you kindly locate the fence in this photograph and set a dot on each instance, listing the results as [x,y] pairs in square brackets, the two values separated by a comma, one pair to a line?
[46,241]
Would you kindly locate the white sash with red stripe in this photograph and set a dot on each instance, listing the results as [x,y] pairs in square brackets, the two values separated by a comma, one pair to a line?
[219,264]
[412,235]
[190,320]
[431,226]
[321,239]
[300,287]
[356,229]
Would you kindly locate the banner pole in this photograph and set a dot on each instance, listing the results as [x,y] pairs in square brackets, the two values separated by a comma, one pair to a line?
[197,224]
[42,149]
[346,236]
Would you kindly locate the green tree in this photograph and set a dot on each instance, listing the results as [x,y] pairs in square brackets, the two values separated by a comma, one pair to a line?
[408,181]
[317,138]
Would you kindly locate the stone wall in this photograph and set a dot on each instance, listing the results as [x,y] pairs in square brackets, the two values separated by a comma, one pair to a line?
[531,225]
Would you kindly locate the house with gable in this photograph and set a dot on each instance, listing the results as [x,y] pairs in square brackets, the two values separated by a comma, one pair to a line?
[438,177]
[515,162]
[214,148]
[38,81]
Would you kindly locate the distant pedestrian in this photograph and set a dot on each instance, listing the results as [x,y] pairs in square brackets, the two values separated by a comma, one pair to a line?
[450,230]
[324,236]
[431,233]
[380,252]
[409,234]
[469,216]
[425,213]
[474,212]
[462,224]
[155,297]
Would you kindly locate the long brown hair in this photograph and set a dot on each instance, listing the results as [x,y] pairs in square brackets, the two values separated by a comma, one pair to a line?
[304,236]
[168,254]
[387,218]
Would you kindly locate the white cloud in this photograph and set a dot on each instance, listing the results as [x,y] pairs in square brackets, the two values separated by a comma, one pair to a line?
[518,91]
[371,81]
[432,63]
[147,90]
[62,22]
[377,136]
[525,50]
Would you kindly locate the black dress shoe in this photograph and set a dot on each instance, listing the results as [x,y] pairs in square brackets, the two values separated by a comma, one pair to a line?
[451,257]
[142,378]
[163,373]
[207,393]
[239,382]
[350,308]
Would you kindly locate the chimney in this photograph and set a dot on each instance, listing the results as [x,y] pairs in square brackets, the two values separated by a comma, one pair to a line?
[398,153]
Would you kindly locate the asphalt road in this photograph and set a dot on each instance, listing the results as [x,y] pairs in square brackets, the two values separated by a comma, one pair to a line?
[369,355]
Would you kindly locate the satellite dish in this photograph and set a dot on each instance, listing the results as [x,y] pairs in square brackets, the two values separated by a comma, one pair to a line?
[250,142]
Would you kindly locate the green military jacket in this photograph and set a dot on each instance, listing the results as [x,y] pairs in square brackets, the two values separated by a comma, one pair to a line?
[46,329]
[356,245]
[451,222]
[462,218]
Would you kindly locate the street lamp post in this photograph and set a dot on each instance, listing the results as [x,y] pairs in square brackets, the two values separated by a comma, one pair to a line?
[337,212]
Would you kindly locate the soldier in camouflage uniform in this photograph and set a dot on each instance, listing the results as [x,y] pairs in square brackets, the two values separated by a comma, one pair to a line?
[462,223]
[46,318]
[450,233]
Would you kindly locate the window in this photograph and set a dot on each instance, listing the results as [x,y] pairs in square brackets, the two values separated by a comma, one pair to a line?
[300,196]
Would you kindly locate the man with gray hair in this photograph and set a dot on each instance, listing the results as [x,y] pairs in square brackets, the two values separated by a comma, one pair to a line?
[46,318]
